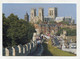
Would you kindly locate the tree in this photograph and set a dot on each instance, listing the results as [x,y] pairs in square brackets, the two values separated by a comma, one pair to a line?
[60,31]
[6,40]
[17,32]
[13,17]
[52,22]
[65,22]
[70,32]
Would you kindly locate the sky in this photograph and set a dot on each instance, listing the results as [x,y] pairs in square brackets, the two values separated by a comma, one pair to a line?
[20,9]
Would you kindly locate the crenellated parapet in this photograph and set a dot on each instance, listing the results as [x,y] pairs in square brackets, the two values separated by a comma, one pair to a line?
[20,50]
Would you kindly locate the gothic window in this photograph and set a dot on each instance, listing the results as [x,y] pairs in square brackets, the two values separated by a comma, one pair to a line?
[50,12]
[39,14]
[32,14]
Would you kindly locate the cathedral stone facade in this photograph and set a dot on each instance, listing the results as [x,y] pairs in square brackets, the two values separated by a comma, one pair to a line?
[34,18]
[26,17]
[52,12]
[41,14]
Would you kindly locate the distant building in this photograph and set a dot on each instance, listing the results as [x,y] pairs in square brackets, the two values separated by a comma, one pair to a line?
[47,19]
[68,19]
[59,19]
[33,15]
[26,17]
[41,14]
[52,12]
[34,18]
[52,16]
[46,28]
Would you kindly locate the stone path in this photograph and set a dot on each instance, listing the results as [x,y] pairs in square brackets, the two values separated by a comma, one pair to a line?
[38,51]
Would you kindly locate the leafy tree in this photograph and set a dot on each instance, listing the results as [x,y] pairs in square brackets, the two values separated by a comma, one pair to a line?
[16,31]
[13,17]
[70,32]
[6,40]
[59,32]
[65,22]
[52,22]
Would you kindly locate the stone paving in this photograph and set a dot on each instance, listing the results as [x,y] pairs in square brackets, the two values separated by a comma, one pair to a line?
[38,51]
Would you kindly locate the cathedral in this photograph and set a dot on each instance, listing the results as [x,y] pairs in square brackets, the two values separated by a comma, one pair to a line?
[34,18]
[52,14]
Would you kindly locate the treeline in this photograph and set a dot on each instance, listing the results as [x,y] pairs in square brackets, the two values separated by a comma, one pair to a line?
[16,31]
[70,32]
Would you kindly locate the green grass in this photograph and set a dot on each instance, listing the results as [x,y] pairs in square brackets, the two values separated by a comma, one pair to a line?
[49,50]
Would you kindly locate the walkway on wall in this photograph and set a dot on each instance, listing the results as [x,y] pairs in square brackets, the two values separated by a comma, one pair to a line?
[38,51]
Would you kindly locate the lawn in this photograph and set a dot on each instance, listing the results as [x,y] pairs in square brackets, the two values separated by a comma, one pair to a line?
[50,50]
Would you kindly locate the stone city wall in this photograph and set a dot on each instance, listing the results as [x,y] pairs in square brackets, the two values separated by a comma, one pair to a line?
[20,50]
